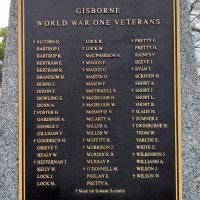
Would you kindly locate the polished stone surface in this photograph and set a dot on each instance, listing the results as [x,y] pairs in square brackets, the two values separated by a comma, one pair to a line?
[190,114]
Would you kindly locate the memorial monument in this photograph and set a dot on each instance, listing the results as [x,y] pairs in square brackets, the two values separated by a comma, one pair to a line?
[94,109]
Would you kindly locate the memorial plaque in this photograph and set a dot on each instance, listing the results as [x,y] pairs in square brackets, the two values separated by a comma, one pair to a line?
[99,100]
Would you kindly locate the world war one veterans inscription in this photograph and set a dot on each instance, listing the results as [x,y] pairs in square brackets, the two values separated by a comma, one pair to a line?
[99,100]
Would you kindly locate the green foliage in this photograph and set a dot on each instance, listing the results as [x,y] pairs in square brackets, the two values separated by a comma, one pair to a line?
[3,34]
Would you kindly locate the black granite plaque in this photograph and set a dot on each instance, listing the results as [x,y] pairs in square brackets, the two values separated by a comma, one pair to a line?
[99,100]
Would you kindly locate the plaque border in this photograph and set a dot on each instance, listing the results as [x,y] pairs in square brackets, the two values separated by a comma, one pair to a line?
[21,111]
[177,100]
[21,99]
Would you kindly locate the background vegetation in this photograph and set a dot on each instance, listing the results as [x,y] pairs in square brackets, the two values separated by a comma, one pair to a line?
[3,34]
